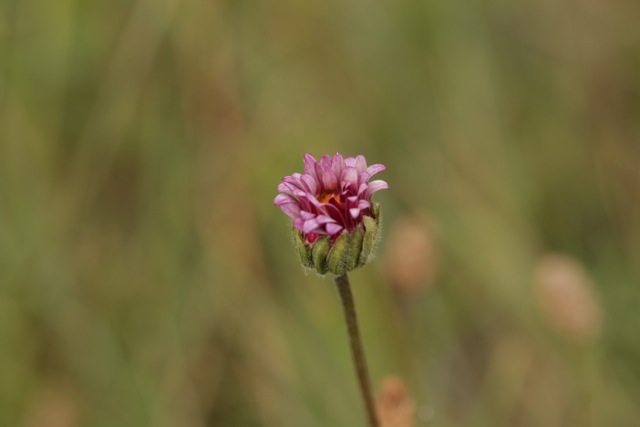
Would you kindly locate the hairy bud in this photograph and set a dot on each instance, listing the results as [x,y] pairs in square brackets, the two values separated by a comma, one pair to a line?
[347,252]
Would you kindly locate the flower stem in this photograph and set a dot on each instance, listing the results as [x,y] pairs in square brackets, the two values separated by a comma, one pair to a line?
[357,351]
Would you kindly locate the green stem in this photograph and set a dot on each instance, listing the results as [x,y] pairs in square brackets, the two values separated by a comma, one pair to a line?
[357,351]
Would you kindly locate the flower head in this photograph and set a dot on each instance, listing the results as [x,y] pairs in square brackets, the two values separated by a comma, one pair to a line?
[330,205]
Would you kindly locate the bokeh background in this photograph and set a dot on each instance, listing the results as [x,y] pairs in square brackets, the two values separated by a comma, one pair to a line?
[147,280]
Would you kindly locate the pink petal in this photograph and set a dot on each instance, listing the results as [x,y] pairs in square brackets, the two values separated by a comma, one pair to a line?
[354,212]
[363,204]
[307,215]
[310,183]
[337,165]
[325,162]
[309,165]
[309,226]
[291,210]
[361,164]
[363,178]
[374,169]
[333,228]
[295,179]
[311,198]
[349,177]
[375,186]
[282,199]
[287,187]
[319,174]
[324,219]
[329,179]
[330,182]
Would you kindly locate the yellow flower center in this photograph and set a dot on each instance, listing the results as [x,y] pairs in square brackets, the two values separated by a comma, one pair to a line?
[325,198]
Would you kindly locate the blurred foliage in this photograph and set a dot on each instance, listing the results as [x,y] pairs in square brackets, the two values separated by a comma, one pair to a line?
[147,280]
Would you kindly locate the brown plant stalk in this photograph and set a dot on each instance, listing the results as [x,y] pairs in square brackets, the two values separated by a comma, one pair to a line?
[357,350]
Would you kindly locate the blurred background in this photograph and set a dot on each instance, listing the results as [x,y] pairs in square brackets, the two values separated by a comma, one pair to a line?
[146,279]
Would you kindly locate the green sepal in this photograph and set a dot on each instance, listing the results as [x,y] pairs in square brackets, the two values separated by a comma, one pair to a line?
[375,212]
[339,254]
[348,251]
[304,250]
[319,252]
[370,238]
[355,248]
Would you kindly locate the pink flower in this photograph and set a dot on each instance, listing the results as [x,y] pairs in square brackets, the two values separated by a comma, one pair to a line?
[332,195]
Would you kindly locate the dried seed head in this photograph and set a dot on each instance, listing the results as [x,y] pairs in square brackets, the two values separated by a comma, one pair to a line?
[411,259]
[394,404]
[566,297]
